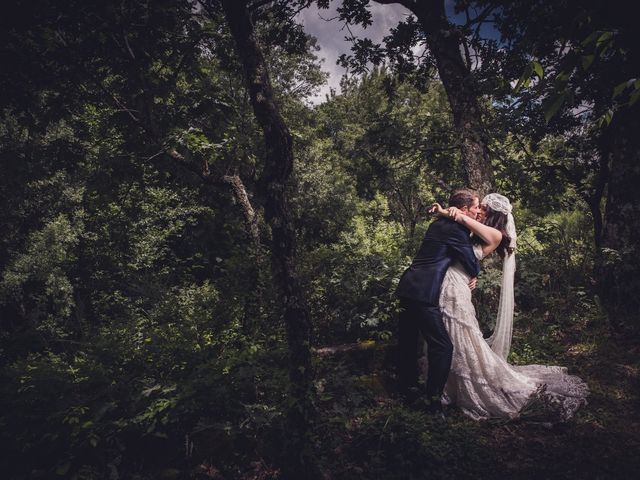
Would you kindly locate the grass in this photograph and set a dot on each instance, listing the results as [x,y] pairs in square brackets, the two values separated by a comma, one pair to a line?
[364,432]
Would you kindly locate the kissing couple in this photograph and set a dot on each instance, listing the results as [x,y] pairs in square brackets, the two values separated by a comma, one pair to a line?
[465,369]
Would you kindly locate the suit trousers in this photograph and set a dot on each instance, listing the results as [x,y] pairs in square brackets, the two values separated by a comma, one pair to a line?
[425,318]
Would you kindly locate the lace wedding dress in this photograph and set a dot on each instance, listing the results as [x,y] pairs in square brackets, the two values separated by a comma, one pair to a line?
[481,382]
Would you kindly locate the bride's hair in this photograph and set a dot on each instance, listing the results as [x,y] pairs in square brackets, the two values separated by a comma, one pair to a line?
[498,221]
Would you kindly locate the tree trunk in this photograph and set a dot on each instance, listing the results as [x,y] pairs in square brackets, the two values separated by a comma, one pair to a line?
[444,42]
[618,269]
[596,213]
[278,167]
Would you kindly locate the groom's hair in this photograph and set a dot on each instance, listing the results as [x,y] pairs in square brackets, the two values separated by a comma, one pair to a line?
[462,197]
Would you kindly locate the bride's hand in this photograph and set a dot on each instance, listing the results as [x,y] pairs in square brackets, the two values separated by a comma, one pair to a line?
[454,213]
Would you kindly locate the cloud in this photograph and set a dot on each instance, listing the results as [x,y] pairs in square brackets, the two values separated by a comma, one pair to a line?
[331,33]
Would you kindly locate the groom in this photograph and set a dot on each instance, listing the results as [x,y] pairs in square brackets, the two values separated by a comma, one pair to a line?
[419,291]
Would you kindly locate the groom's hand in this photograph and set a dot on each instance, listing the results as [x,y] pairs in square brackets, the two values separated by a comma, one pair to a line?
[472,283]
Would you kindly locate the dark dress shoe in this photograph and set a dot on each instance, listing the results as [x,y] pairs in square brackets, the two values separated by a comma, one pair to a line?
[436,412]
[409,396]
[434,407]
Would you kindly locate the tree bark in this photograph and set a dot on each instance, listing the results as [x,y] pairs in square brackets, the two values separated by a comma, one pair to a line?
[618,265]
[445,42]
[250,215]
[277,169]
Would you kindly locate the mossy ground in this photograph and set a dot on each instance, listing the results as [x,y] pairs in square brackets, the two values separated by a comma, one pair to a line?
[365,432]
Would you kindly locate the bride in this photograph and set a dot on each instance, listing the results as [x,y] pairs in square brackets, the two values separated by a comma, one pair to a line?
[481,382]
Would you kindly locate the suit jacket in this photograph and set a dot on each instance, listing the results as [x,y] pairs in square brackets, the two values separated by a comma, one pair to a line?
[445,242]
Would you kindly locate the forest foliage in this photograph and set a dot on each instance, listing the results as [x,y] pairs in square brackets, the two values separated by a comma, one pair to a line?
[141,328]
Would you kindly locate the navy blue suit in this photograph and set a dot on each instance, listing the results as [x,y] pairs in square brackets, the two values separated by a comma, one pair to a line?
[419,290]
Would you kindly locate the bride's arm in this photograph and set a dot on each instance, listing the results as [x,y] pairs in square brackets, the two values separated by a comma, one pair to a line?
[489,235]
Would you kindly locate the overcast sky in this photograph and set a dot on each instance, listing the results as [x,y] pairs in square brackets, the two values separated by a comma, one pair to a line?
[331,36]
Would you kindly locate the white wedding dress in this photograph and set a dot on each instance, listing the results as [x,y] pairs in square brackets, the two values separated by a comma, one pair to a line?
[483,384]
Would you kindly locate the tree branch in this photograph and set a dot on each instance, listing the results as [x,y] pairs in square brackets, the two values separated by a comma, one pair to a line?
[408,4]
[480,18]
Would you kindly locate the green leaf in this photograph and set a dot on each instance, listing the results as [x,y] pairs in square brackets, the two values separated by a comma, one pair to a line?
[619,89]
[524,79]
[604,38]
[552,104]
[562,77]
[63,469]
[537,69]
[634,97]
[569,96]
[590,39]
[604,119]
[587,60]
